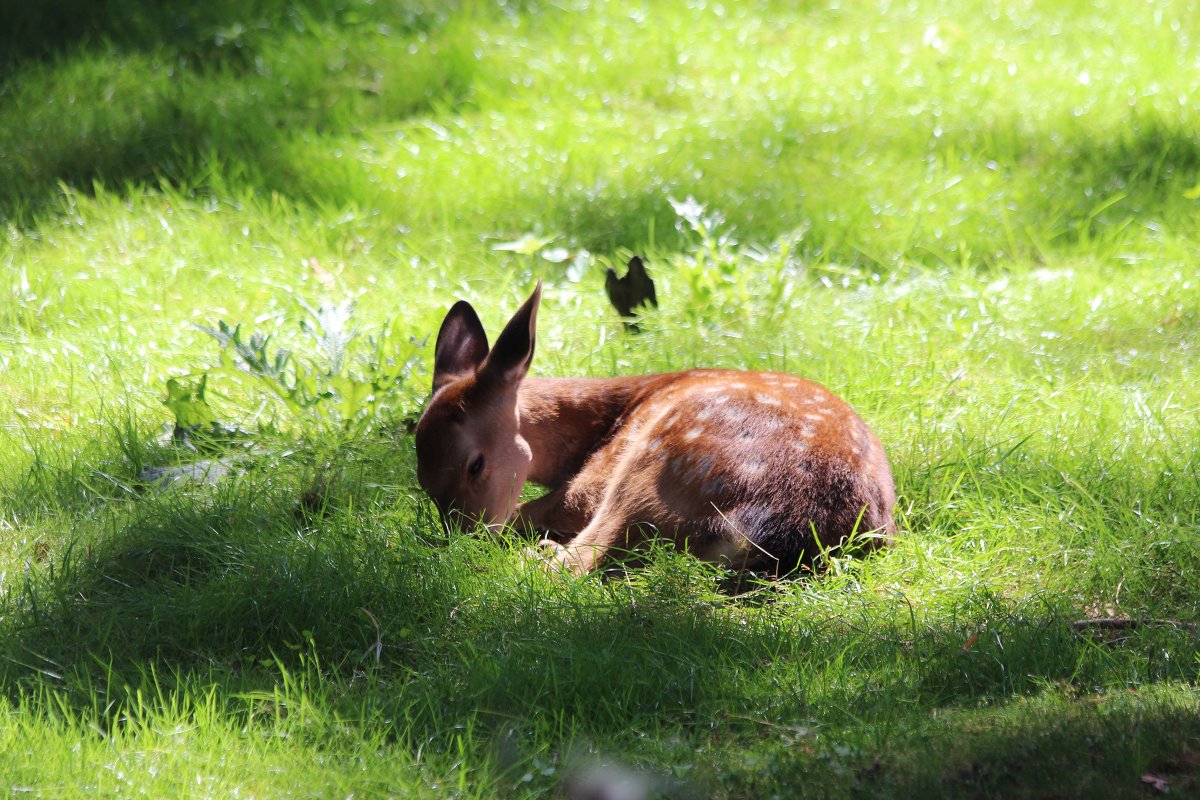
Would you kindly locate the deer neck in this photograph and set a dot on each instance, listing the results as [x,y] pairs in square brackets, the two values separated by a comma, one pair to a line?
[564,420]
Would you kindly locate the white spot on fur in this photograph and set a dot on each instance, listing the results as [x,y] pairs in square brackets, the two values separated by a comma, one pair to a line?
[768,425]
[693,434]
[766,399]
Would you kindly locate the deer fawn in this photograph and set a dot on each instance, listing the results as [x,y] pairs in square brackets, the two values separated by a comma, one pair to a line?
[758,470]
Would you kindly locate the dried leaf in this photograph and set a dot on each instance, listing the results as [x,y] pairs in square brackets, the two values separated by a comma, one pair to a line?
[1156,783]
[323,276]
[633,291]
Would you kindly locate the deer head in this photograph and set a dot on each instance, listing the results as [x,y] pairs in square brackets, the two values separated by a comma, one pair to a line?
[471,457]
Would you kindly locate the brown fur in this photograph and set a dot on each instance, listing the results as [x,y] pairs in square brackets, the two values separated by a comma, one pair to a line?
[756,469]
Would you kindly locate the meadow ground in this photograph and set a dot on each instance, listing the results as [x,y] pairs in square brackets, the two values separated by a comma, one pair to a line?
[976,221]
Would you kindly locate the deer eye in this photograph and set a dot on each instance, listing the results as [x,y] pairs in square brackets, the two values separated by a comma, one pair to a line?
[476,466]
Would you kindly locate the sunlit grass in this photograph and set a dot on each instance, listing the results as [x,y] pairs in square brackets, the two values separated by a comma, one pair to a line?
[976,222]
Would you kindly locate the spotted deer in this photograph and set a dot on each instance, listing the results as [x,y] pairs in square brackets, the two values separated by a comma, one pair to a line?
[759,470]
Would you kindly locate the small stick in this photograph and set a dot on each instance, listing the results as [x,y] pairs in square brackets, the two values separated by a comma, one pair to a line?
[1121,624]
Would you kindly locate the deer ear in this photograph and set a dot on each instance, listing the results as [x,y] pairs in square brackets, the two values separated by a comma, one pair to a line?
[461,345]
[510,358]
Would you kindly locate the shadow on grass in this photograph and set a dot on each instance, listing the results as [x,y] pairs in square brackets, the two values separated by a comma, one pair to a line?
[195,94]
[198,95]
[222,32]
[1048,744]
[224,588]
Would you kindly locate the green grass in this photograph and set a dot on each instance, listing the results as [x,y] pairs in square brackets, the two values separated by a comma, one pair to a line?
[978,222]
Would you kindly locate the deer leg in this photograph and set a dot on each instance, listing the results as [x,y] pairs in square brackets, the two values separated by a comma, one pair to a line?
[567,510]
[609,529]
[555,513]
